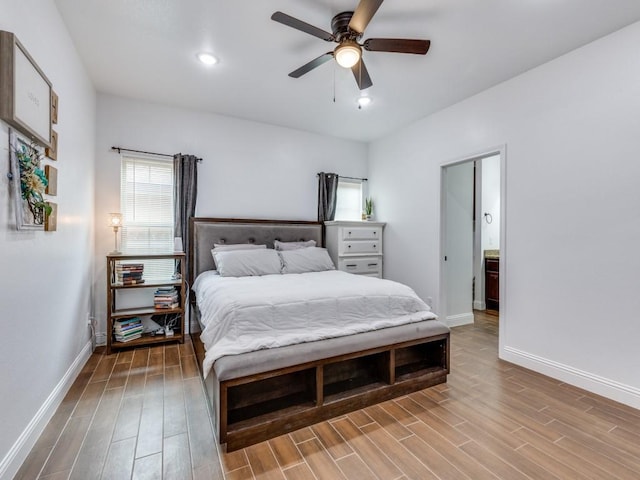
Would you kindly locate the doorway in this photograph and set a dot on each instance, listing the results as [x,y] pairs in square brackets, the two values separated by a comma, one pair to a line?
[472,237]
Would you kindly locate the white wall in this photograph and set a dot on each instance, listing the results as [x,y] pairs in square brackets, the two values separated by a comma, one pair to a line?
[249,169]
[571,253]
[46,283]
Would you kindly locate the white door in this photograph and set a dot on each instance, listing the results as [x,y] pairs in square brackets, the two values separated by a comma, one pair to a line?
[458,243]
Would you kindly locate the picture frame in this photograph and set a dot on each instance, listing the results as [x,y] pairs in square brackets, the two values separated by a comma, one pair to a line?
[54,107]
[25,91]
[51,219]
[28,216]
[52,151]
[52,176]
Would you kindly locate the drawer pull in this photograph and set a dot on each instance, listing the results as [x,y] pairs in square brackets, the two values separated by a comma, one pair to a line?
[374,246]
[372,265]
[348,246]
[351,266]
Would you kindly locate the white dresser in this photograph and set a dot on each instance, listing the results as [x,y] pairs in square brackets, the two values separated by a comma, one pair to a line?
[355,247]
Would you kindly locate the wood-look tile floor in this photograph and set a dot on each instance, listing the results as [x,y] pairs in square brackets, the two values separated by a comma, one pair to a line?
[142,414]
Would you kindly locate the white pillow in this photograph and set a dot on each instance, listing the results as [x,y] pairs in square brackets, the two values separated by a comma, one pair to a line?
[302,260]
[293,245]
[223,247]
[245,263]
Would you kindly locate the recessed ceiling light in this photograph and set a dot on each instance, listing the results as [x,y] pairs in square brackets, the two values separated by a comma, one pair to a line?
[363,101]
[207,58]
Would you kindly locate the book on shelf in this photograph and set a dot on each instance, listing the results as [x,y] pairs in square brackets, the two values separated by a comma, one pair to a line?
[130,266]
[131,281]
[127,321]
[129,273]
[127,329]
[120,339]
[124,338]
[166,298]
[167,306]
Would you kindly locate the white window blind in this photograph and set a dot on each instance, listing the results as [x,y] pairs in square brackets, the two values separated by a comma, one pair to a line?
[349,201]
[146,202]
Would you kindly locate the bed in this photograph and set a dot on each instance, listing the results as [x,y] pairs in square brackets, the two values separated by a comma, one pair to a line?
[284,351]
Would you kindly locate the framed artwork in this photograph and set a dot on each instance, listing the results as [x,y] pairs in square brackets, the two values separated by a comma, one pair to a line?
[52,178]
[52,151]
[29,183]
[51,218]
[25,91]
[54,107]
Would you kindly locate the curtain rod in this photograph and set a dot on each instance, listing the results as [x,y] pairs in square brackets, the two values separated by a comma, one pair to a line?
[122,149]
[350,178]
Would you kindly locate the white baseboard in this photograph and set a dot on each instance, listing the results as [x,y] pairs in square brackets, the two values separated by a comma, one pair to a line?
[479,305]
[21,448]
[593,383]
[460,319]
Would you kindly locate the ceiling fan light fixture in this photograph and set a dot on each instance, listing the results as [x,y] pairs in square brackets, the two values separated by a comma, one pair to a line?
[207,58]
[348,53]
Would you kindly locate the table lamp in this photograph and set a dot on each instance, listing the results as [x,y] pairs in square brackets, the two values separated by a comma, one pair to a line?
[115,221]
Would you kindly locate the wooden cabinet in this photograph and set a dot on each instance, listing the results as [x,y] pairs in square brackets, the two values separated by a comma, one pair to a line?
[492,283]
[356,247]
[116,289]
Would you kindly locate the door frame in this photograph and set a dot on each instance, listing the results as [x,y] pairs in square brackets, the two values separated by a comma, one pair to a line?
[500,150]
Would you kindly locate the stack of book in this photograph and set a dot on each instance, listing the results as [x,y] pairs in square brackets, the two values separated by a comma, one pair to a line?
[127,329]
[129,273]
[166,298]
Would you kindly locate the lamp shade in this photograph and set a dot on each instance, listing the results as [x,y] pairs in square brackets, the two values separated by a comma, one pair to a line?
[348,53]
[115,220]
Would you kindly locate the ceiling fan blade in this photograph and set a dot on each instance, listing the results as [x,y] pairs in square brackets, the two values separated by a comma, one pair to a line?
[316,62]
[362,75]
[363,14]
[292,22]
[397,45]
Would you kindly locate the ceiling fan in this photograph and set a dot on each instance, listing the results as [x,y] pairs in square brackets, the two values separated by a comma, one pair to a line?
[348,28]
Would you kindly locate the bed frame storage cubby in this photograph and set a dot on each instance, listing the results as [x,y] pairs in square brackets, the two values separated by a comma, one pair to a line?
[267,404]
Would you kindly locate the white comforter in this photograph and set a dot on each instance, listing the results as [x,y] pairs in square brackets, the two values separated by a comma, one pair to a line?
[243,314]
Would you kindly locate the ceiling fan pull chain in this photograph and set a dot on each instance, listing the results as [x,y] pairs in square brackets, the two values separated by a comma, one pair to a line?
[334,84]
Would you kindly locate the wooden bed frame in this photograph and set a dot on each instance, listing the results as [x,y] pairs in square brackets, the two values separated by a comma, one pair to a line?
[260,395]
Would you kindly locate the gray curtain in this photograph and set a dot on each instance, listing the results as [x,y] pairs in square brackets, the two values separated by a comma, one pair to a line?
[185,189]
[327,195]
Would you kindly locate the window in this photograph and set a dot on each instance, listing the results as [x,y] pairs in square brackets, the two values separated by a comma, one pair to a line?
[349,201]
[146,201]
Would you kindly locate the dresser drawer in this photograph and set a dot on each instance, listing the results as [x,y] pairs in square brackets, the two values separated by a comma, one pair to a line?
[361,265]
[360,247]
[361,233]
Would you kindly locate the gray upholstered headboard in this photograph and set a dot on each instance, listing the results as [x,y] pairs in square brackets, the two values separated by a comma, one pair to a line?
[204,232]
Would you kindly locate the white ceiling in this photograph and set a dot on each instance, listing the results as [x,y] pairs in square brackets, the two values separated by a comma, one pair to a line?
[146,49]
